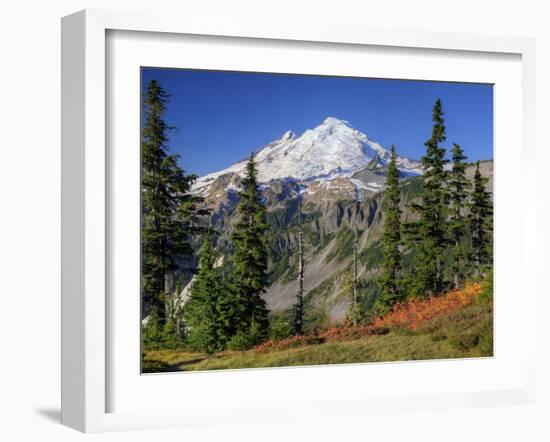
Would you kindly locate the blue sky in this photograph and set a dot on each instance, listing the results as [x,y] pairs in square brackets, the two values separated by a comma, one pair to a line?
[222,116]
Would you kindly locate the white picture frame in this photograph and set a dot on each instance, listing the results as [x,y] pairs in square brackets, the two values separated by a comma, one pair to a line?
[85,200]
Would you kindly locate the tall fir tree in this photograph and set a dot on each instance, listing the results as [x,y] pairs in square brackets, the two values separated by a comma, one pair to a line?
[209,311]
[459,187]
[481,222]
[430,233]
[168,209]
[250,258]
[391,239]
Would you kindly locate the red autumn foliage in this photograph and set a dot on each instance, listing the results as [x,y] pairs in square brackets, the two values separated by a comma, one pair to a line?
[410,314]
[283,344]
[416,312]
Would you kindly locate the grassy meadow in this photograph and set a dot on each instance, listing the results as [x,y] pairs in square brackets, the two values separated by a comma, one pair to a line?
[456,325]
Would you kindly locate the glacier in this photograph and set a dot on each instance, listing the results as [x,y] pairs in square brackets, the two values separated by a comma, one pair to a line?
[330,150]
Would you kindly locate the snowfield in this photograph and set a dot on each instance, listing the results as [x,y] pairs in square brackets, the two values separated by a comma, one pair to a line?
[332,149]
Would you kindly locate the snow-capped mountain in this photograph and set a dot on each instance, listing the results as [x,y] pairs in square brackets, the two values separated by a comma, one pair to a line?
[332,149]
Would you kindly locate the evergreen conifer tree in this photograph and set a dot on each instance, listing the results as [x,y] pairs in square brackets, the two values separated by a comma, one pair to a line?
[430,233]
[168,209]
[208,312]
[391,239]
[250,259]
[458,190]
[481,212]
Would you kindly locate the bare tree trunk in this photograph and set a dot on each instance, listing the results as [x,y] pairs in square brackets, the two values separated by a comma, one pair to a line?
[456,277]
[298,323]
[354,300]
[438,276]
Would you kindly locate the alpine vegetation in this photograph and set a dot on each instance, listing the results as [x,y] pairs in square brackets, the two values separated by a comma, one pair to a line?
[392,290]
[317,248]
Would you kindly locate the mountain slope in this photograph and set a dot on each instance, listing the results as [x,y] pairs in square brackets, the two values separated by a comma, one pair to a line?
[331,211]
[334,176]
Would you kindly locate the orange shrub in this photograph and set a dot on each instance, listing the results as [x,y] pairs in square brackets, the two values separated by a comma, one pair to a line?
[414,313]
[349,333]
[410,314]
[284,344]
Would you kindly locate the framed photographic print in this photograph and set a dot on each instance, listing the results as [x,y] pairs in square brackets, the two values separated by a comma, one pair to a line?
[320,246]
[269,221]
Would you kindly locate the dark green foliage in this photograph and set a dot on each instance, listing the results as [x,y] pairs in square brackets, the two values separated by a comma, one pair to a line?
[209,312]
[355,291]
[370,292]
[291,269]
[430,234]
[458,190]
[481,222]
[391,239]
[487,288]
[279,268]
[170,338]
[343,246]
[280,326]
[250,259]
[278,219]
[157,335]
[313,238]
[246,339]
[325,240]
[315,312]
[371,256]
[357,314]
[411,188]
[151,331]
[168,209]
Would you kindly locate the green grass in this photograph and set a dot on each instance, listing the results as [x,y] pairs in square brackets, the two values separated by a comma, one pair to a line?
[464,333]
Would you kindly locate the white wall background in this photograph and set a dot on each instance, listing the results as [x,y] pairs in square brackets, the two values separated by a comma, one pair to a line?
[30,215]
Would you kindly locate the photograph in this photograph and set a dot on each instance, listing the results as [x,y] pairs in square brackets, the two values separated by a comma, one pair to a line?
[302,220]
[238,221]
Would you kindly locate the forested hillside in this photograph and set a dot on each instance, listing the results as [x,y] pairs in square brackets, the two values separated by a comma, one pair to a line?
[324,230]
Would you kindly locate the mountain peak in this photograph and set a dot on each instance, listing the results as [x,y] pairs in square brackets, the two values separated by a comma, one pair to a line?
[332,149]
[332,121]
[288,135]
